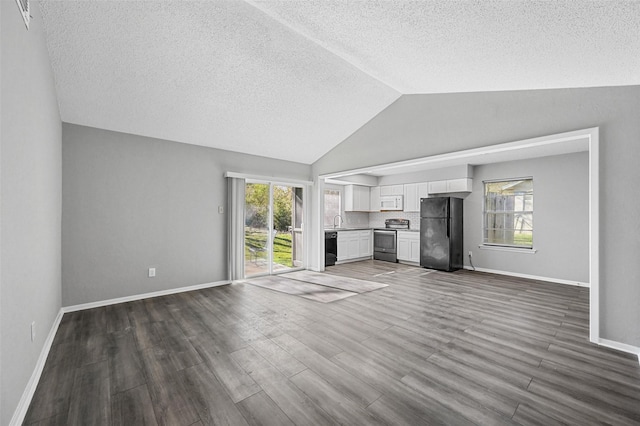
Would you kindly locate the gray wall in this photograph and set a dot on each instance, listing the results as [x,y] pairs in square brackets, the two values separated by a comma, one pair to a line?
[423,125]
[560,218]
[30,213]
[130,203]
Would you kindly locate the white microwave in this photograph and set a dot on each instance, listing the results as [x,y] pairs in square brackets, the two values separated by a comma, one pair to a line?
[391,202]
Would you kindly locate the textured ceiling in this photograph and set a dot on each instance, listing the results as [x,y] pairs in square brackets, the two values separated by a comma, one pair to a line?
[220,74]
[469,46]
[292,79]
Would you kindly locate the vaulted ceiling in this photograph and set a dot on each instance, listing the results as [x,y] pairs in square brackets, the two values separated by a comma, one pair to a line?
[292,79]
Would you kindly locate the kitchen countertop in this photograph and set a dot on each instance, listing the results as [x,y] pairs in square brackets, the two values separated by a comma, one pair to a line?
[346,229]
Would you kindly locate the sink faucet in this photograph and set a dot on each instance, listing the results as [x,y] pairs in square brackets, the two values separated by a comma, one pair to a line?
[339,221]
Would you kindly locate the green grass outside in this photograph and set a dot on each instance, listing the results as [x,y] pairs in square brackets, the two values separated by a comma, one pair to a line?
[523,239]
[281,246]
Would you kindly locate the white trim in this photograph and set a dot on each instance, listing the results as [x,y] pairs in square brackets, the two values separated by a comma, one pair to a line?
[319,266]
[469,154]
[272,179]
[594,235]
[29,391]
[408,262]
[531,277]
[134,297]
[623,347]
[508,179]
[510,249]
[355,259]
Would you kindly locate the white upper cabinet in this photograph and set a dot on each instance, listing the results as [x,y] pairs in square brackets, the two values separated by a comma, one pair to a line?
[374,199]
[413,192]
[460,185]
[411,200]
[391,190]
[356,198]
[451,185]
[438,187]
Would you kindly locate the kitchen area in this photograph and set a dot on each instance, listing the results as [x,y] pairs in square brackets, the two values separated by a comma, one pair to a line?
[559,251]
[381,217]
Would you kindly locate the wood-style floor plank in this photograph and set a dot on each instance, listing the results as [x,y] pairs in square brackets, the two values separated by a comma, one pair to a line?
[216,410]
[238,384]
[171,405]
[292,401]
[281,359]
[350,386]
[434,348]
[333,400]
[125,365]
[260,410]
[133,407]
[90,402]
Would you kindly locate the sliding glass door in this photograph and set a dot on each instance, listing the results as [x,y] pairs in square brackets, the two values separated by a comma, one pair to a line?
[273,236]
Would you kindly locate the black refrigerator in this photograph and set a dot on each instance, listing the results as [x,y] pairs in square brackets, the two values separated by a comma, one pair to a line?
[441,233]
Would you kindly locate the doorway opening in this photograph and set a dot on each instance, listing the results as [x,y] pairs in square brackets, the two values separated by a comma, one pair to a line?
[273,228]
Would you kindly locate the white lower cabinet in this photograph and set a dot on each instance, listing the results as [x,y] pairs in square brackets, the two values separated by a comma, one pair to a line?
[354,245]
[366,244]
[409,246]
[343,246]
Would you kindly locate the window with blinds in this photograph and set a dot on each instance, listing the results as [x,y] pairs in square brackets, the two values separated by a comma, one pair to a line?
[508,213]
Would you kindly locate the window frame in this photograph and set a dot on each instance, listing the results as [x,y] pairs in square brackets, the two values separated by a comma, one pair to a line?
[506,246]
[324,199]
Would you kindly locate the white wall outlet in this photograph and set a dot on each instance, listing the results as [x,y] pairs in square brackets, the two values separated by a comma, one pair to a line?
[470,253]
[33,331]
[152,272]
[221,209]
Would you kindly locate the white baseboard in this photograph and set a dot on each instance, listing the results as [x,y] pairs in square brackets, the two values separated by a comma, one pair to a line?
[620,347]
[27,395]
[134,297]
[531,277]
[355,259]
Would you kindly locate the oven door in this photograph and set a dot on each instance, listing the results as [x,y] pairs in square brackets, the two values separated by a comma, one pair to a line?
[384,245]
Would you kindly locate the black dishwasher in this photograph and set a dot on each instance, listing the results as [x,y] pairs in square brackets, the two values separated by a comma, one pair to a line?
[330,248]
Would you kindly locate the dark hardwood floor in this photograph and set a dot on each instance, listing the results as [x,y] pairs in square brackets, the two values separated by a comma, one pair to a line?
[431,348]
